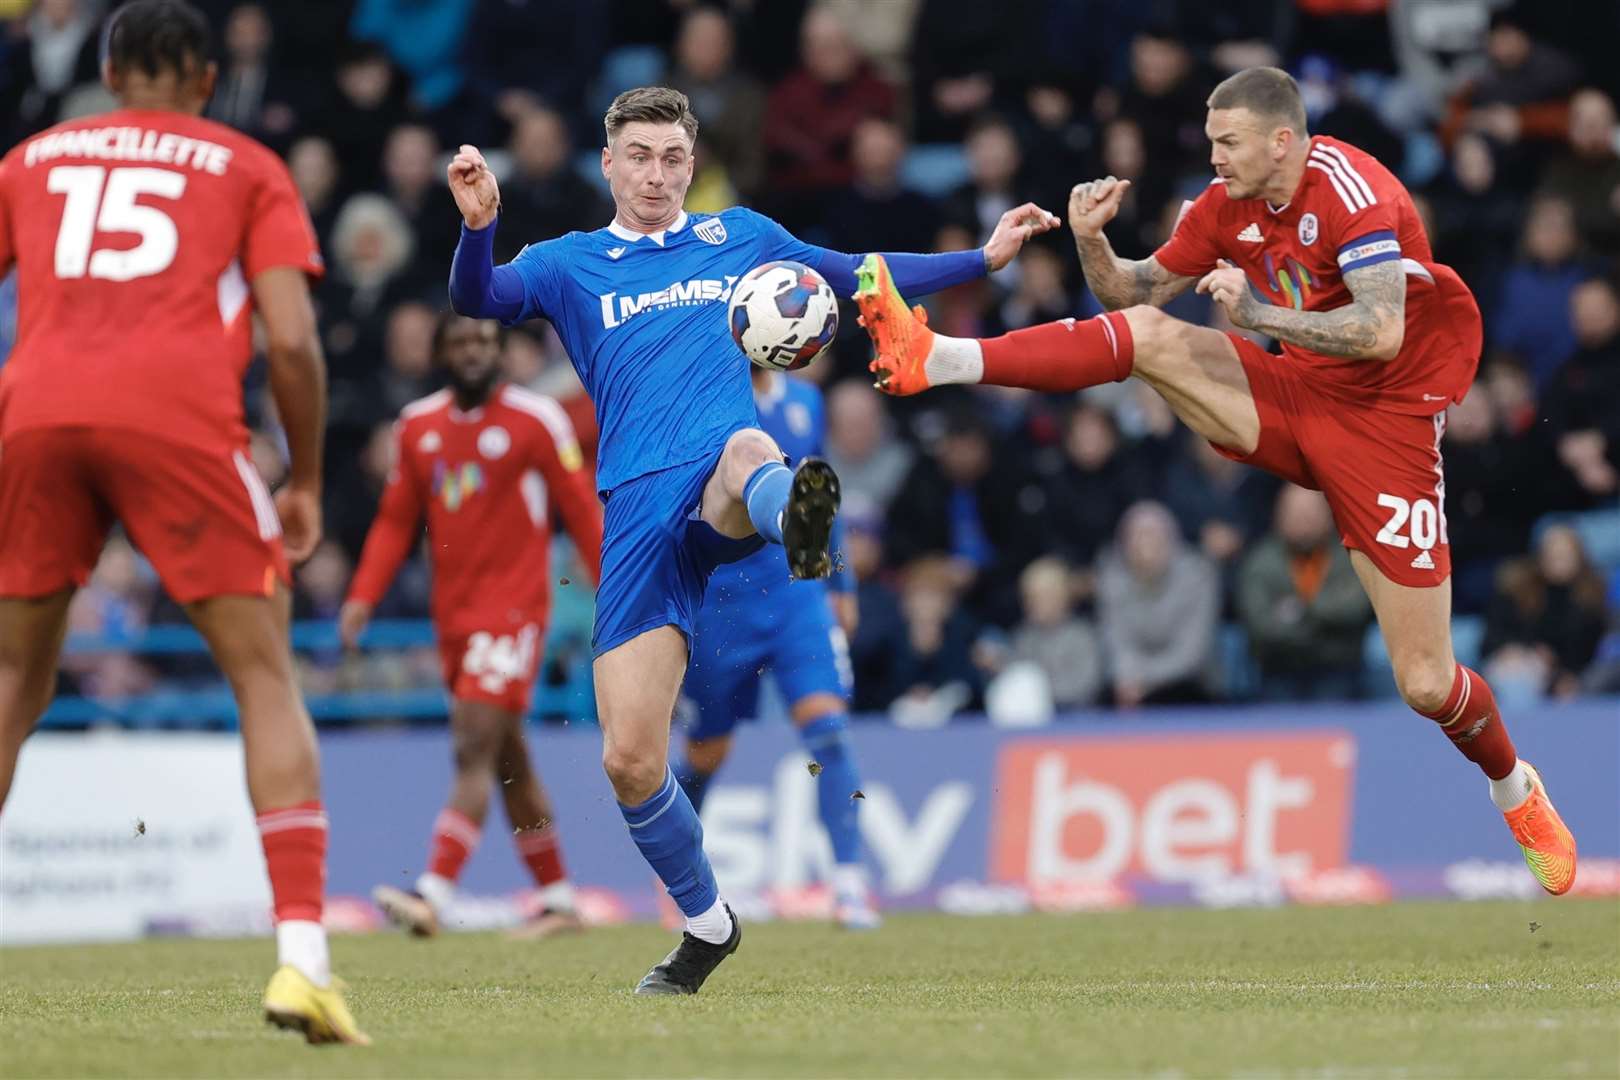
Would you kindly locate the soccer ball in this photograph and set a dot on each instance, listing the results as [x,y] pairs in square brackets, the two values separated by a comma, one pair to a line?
[783,315]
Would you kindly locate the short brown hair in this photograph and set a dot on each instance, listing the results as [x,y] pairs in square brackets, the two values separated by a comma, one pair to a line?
[650,105]
[1265,91]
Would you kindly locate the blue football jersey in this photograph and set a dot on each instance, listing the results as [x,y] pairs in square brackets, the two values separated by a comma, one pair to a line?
[644,323]
[792,413]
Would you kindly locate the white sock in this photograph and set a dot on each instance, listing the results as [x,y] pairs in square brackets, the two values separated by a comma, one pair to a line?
[1511,791]
[302,943]
[954,360]
[437,890]
[713,926]
[849,883]
[558,896]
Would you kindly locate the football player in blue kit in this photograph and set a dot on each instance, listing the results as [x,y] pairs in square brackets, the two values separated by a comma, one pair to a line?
[687,479]
[757,618]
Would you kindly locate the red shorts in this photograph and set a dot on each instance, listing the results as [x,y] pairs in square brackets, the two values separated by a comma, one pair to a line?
[204,520]
[495,667]
[1380,470]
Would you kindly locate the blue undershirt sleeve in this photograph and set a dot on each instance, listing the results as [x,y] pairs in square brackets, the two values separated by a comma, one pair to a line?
[480,289]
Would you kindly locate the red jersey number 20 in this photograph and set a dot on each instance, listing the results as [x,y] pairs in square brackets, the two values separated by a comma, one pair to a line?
[103,200]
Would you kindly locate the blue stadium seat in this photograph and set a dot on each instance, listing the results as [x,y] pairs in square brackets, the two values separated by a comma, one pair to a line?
[624,68]
[1599,531]
[935,170]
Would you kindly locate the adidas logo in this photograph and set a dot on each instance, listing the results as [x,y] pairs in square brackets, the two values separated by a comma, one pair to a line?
[1423,561]
[614,253]
[1252,234]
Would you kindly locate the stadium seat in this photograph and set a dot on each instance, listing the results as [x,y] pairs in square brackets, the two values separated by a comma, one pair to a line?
[626,67]
[1599,531]
[934,170]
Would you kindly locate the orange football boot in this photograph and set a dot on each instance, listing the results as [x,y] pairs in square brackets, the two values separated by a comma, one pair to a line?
[899,333]
[1549,846]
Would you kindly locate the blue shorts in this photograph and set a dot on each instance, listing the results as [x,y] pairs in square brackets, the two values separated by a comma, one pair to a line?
[657,554]
[743,632]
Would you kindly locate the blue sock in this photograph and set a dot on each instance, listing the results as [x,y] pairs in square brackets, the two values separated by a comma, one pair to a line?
[670,837]
[694,783]
[766,495]
[825,738]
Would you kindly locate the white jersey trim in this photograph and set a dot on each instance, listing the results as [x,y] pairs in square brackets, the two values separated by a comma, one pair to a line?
[434,401]
[546,410]
[264,508]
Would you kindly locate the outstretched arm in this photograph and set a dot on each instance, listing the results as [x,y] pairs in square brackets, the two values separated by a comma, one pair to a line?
[1115,282]
[919,275]
[478,288]
[1371,327]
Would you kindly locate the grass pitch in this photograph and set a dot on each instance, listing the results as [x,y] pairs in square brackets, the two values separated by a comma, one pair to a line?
[1415,990]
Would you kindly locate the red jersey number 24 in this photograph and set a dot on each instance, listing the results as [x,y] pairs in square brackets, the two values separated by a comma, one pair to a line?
[100,199]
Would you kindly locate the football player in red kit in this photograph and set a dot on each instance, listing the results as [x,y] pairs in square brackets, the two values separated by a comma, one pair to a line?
[1314,243]
[483,462]
[144,239]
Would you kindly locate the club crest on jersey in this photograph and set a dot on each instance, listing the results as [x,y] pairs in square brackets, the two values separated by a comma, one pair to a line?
[455,484]
[1308,228]
[494,442]
[712,231]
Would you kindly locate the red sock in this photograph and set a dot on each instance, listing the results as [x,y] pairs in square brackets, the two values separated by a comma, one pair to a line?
[542,851]
[455,837]
[1470,720]
[1058,357]
[294,841]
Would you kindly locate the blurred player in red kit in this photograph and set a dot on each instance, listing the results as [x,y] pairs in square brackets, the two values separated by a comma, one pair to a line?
[483,462]
[144,240]
[1315,244]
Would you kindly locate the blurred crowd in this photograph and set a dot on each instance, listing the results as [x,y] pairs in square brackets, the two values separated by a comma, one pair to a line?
[1015,551]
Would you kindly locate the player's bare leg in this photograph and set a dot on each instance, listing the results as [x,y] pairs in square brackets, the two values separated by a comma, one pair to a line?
[822,719]
[753,491]
[534,831]
[1198,373]
[636,687]
[31,634]
[1416,625]
[476,731]
[248,637]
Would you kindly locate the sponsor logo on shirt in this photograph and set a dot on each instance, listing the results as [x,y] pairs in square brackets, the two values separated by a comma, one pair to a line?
[620,308]
[615,252]
[1251,234]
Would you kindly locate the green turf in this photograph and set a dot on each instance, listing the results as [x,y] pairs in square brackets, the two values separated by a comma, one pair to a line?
[1413,990]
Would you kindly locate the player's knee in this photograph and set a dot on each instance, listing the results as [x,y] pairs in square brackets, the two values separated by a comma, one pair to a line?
[745,452]
[1425,683]
[1150,328]
[474,742]
[707,755]
[635,772]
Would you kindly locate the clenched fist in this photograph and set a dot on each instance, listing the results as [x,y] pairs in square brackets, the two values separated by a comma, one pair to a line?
[1093,205]
[473,185]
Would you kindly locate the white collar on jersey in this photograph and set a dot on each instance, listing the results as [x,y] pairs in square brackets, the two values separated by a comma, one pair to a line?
[630,236]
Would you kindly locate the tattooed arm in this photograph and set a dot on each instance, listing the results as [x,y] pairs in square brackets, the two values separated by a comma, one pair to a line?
[1371,327]
[1115,282]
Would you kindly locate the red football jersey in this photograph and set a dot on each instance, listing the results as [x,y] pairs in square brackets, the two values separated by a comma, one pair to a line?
[485,480]
[1348,212]
[135,234]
